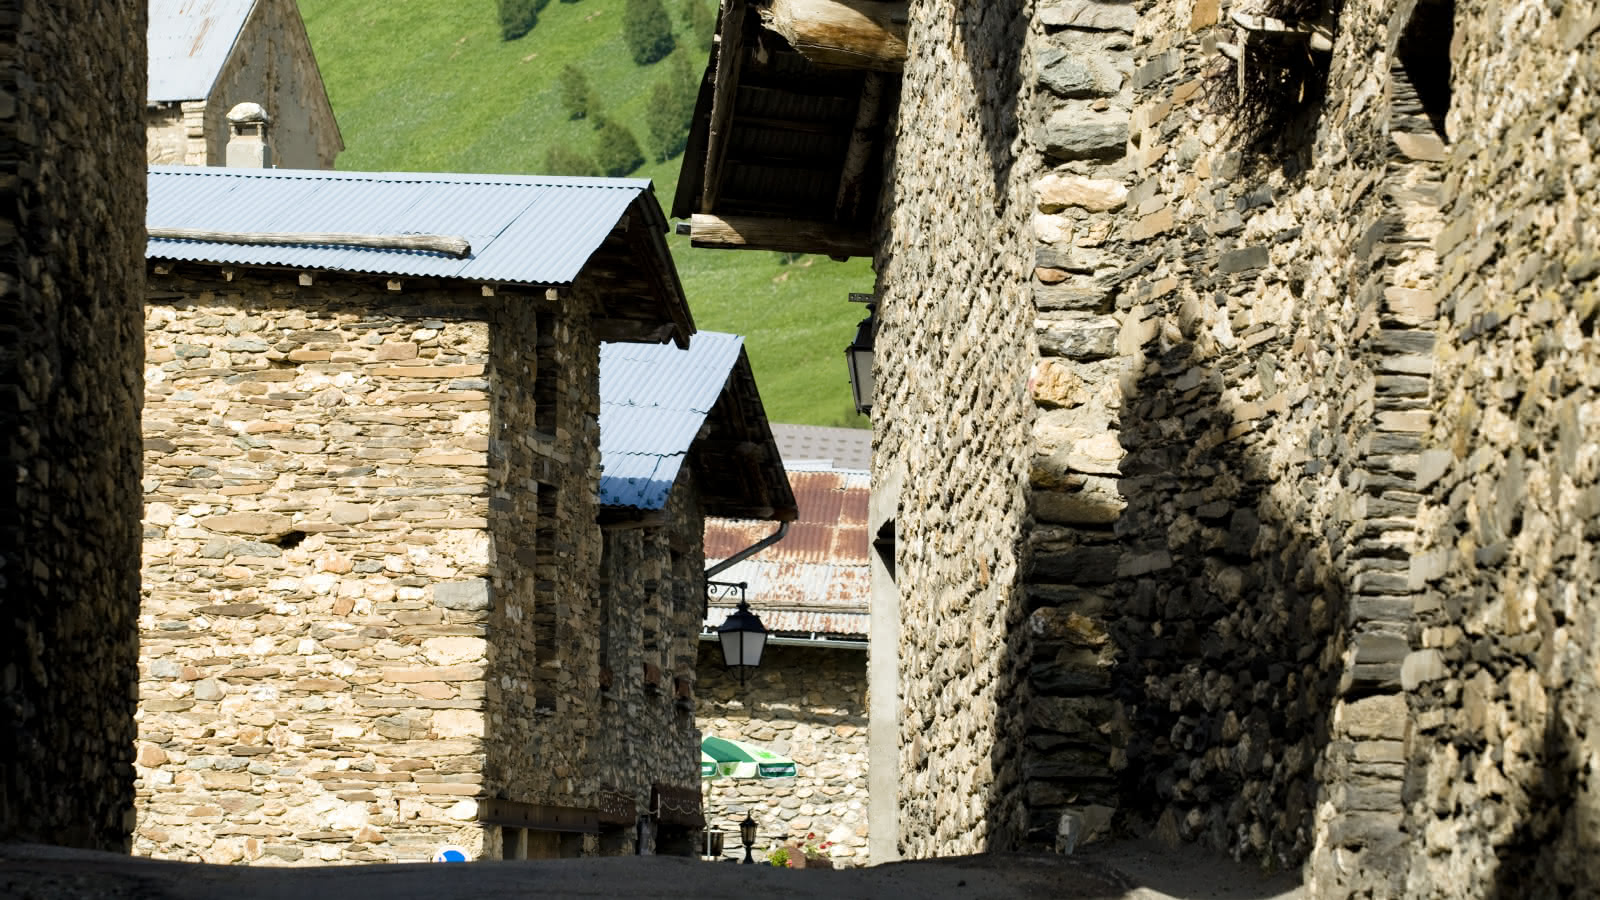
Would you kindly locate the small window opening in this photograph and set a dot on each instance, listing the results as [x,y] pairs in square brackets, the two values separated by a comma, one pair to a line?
[546,375]
[545,619]
[883,545]
[290,539]
[1422,78]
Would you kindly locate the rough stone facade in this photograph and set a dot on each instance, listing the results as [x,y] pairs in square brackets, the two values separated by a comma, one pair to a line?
[808,703]
[368,559]
[652,590]
[271,64]
[71,276]
[951,425]
[1306,532]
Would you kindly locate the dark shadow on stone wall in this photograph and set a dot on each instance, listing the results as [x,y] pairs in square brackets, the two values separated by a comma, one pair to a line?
[988,31]
[1542,858]
[72,196]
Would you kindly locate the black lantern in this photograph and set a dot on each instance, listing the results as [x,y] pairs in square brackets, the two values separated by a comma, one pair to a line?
[747,836]
[743,637]
[859,357]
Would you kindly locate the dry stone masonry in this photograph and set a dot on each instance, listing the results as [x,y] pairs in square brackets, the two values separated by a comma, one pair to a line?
[808,703]
[365,566]
[1304,549]
[71,274]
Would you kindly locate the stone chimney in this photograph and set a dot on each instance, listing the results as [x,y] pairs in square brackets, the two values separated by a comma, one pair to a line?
[249,144]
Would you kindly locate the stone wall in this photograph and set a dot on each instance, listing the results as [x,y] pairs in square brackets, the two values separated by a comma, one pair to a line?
[648,616]
[175,133]
[341,619]
[72,199]
[1312,472]
[808,703]
[955,335]
[1503,793]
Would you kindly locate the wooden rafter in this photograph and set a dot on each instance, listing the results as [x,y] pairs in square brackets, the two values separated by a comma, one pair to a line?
[724,90]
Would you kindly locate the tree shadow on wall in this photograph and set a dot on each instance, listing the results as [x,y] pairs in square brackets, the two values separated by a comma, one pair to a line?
[1549,855]
[992,34]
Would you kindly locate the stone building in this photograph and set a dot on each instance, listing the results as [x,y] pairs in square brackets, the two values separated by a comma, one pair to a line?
[209,56]
[683,436]
[371,538]
[808,700]
[1234,427]
[71,78]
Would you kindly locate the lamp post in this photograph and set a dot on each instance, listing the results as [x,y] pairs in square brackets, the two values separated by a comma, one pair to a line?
[859,357]
[747,836]
[742,635]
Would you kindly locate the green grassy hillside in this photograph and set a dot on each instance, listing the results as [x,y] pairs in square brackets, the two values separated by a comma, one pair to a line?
[423,85]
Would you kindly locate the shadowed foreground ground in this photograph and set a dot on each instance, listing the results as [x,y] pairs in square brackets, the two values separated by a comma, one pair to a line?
[1133,871]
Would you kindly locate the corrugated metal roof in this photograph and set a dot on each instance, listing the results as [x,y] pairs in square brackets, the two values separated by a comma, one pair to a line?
[653,400]
[817,579]
[529,229]
[799,621]
[843,448]
[189,40]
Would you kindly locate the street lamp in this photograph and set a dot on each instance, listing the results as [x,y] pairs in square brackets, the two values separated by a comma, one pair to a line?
[747,836]
[743,637]
[859,357]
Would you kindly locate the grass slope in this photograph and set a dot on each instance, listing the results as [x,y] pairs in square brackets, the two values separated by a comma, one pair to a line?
[420,85]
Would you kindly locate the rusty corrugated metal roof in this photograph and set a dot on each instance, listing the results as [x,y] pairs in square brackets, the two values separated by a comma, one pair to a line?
[815,580]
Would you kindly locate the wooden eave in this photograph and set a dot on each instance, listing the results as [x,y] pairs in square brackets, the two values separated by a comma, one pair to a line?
[786,148]
[735,458]
[641,297]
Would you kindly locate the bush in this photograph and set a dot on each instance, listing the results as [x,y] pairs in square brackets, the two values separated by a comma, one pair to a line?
[563,160]
[700,20]
[668,117]
[615,150]
[576,96]
[647,30]
[517,17]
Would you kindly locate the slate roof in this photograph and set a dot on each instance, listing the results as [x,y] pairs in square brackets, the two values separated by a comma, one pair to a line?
[844,448]
[189,40]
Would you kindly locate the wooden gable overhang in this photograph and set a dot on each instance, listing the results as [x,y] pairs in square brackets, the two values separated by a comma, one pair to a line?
[786,150]
[735,458]
[641,297]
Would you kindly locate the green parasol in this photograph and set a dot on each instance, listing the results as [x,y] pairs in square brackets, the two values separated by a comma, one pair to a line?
[737,759]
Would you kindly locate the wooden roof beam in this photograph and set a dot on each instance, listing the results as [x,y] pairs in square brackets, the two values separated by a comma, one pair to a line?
[846,34]
[785,235]
[847,207]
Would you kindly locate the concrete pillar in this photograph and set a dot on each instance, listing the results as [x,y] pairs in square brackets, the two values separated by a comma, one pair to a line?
[883,676]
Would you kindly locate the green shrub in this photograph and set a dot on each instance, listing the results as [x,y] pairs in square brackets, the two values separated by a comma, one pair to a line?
[517,17]
[647,30]
[577,98]
[700,20]
[615,150]
[563,160]
[670,112]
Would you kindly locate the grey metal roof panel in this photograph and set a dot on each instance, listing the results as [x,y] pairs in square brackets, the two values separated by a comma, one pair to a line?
[844,448]
[189,41]
[653,400]
[526,229]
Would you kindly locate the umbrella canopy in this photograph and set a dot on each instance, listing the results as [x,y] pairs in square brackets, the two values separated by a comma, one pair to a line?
[737,759]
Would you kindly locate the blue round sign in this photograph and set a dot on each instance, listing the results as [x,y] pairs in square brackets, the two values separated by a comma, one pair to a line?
[450,854]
